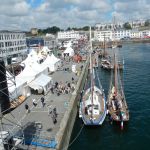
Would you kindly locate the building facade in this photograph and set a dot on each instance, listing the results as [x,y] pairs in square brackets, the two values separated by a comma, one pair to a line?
[106,35]
[108,26]
[137,23]
[68,35]
[12,44]
[110,35]
[50,42]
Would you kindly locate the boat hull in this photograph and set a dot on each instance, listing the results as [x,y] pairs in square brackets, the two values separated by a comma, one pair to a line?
[97,117]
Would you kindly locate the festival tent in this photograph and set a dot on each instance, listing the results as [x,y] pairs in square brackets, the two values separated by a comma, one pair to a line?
[39,68]
[52,63]
[46,50]
[32,57]
[67,44]
[42,83]
[28,74]
[69,51]
[16,87]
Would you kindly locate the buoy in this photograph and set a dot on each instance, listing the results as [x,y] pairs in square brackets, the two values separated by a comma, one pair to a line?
[121,125]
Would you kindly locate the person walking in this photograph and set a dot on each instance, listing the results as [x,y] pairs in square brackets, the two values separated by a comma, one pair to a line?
[42,101]
[55,112]
[54,118]
[49,109]
[34,102]
[27,108]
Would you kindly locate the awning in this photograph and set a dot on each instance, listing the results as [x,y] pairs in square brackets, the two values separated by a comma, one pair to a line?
[34,86]
[40,82]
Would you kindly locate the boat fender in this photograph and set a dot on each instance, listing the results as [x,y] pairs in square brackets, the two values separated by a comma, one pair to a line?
[121,125]
[107,112]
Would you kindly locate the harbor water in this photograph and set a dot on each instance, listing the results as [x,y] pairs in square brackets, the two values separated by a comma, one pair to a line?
[136,83]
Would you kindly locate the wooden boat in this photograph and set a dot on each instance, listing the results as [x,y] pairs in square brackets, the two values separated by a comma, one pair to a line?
[106,64]
[106,60]
[93,104]
[117,106]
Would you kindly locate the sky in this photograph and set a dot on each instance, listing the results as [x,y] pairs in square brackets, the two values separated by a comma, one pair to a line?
[27,14]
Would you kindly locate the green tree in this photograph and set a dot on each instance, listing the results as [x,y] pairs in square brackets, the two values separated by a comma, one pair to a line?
[147,23]
[127,26]
[68,29]
[85,28]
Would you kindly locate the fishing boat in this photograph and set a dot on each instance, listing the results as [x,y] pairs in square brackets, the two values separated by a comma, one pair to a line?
[116,104]
[93,104]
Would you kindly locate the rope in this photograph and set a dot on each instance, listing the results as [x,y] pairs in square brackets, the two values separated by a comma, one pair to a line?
[76,136]
[98,79]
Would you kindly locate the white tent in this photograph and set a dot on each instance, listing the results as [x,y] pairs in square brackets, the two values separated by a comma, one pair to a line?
[69,51]
[46,49]
[52,62]
[32,57]
[16,86]
[41,83]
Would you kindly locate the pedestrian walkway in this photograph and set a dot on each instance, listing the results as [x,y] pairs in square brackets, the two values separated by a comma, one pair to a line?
[19,121]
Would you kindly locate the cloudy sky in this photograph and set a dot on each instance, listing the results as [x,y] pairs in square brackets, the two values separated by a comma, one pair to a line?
[25,14]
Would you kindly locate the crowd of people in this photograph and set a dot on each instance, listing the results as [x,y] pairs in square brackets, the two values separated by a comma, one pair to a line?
[63,87]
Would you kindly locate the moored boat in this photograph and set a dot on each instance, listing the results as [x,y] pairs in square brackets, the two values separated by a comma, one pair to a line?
[117,106]
[93,104]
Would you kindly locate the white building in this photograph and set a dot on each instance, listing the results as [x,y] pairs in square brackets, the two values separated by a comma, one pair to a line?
[103,35]
[144,33]
[68,35]
[137,23]
[120,34]
[12,44]
[108,26]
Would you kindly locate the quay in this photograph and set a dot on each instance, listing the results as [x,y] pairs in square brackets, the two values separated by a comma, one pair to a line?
[36,128]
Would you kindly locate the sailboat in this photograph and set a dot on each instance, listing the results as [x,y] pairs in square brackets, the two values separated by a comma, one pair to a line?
[116,104]
[93,104]
[106,60]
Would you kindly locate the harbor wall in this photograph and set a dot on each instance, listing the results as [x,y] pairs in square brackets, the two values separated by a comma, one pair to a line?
[67,123]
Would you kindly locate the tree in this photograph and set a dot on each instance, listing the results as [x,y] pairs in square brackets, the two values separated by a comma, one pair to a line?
[127,26]
[147,23]
[68,29]
[86,28]
[52,30]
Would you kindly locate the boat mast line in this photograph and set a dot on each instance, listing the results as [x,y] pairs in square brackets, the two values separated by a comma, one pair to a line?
[91,70]
[115,73]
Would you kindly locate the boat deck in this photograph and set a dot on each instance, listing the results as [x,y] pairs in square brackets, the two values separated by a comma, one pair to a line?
[101,100]
[114,112]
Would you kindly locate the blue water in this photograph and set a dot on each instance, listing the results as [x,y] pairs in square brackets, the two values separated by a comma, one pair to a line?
[136,81]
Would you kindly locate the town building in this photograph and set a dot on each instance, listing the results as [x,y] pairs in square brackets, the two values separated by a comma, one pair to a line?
[137,23]
[110,35]
[68,35]
[12,45]
[106,35]
[50,41]
[34,31]
[108,26]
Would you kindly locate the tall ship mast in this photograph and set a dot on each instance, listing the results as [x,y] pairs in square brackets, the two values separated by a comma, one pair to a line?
[93,104]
